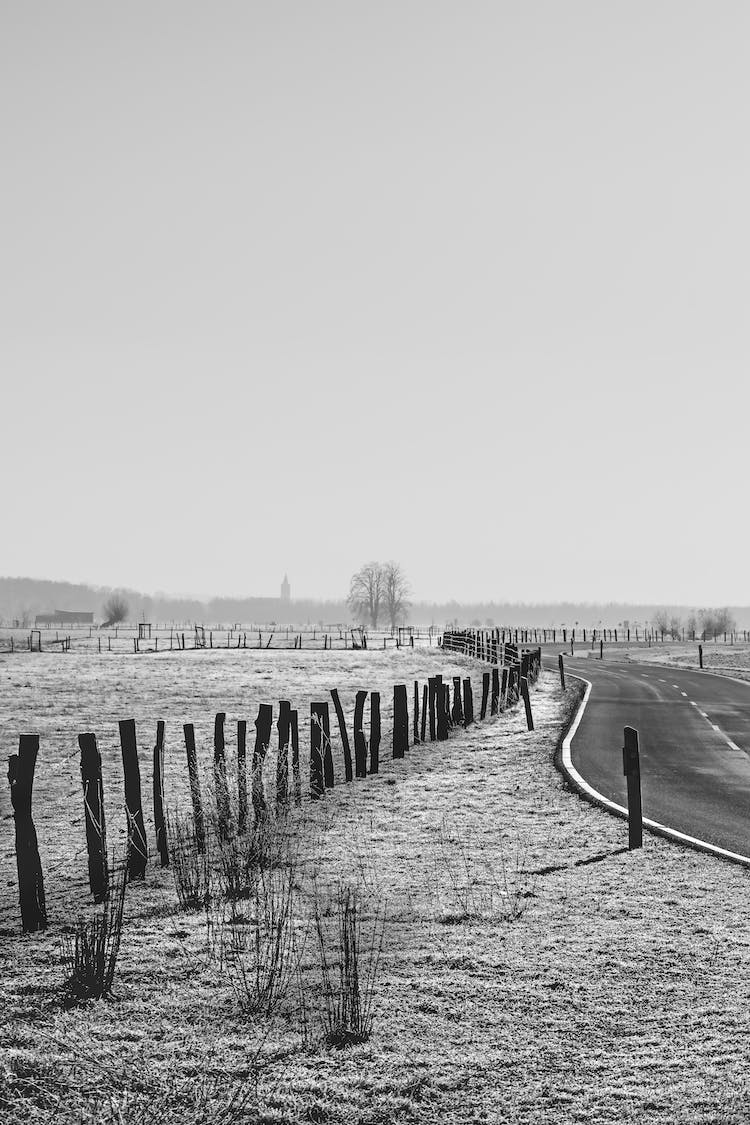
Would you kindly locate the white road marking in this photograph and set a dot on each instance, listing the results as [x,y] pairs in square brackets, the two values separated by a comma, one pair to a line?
[684,693]
[600,799]
[677,686]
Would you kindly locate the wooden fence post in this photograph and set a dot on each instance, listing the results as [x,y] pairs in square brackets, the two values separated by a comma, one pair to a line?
[468,703]
[700,656]
[457,714]
[195,787]
[158,786]
[30,878]
[242,776]
[495,697]
[263,725]
[318,712]
[297,780]
[442,712]
[374,731]
[632,770]
[344,734]
[93,805]
[137,846]
[561,666]
[485,694]
[220,777]
[282,761]
[425,708]
[432,699]
[360,744]
[416,707]
[527,703]
[400,721]
[504,689]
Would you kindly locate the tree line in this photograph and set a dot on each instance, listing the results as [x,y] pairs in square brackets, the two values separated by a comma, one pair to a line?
[704,622]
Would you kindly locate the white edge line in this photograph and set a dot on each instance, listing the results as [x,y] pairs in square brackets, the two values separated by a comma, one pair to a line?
[662,829]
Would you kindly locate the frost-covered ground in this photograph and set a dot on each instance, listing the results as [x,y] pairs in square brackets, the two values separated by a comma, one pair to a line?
[532,970]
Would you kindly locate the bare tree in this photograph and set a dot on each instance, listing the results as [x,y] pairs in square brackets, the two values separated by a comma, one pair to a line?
[395,593]
[115,609]
[675,627]
[660,621]
[366,591]
[716,621]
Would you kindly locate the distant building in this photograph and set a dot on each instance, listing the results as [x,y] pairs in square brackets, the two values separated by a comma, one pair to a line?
[64,617]
[286,590]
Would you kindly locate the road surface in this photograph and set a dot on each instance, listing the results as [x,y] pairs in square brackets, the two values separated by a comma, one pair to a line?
[694,732]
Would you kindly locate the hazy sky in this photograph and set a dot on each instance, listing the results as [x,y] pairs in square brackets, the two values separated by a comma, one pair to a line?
[290,286]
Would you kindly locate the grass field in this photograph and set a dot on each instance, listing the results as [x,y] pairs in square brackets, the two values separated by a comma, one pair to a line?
[532,970]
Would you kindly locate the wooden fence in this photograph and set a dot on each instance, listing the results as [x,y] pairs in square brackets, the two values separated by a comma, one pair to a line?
[437,707]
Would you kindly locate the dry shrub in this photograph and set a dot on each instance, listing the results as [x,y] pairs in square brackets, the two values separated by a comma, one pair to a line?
[190,862]
[349,959]
[90,953]
[262,950]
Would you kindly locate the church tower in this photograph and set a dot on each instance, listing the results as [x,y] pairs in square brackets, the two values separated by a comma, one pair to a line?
[286,591]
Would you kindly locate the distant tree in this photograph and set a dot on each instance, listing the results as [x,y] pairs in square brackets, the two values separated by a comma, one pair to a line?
[114,610]
[660,621]
[395,593]
[675,628]
[366,591]
[714,622]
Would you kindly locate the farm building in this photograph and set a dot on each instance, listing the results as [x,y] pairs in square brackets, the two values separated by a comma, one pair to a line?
[64,617]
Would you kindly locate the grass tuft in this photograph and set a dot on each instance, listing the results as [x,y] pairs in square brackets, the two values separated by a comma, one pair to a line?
[90,953]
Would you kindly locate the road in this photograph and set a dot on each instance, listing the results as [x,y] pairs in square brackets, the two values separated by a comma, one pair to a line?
[694,732]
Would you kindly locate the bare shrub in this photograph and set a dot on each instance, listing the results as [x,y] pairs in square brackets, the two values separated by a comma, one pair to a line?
[241,859]
[90,953]
[190,863]
[261,950]
[349,960]
[467,888]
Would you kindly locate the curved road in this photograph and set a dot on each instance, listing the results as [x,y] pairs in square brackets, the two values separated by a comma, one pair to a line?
[694,735]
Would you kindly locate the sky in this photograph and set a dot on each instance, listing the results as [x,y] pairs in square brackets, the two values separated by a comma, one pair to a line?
[289,286]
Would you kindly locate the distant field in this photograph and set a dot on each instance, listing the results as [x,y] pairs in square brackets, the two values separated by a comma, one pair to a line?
[60,695]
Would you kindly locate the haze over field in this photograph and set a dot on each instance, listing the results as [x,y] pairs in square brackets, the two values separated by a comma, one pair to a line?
[289,286]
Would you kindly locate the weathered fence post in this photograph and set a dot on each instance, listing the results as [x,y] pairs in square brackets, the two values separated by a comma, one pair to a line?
[468,702]
[30,878]
[432,698]
[425,708]
[485,694]
[527,703]
[374,731]
[400,721]
[137,846]
[282,761]
[561,666]
[344,734]
[457,714]
[632,770]
[263,725]
[93,805]
[220,777]
[318,715]
[195,787]
[242,776]
[442,711]
[700,656]
[297,780]
[158,787]
[416,708]
[495,696]
[360,743]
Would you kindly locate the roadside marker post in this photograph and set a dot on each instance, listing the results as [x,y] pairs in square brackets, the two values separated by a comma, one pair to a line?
[632,769]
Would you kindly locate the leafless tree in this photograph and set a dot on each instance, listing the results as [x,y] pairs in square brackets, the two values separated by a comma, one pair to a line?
[366,591]
[395,593]
[675,627]
[714,622]
[660,621]
[115,609]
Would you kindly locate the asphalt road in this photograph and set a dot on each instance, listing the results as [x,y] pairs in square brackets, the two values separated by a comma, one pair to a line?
[694,736]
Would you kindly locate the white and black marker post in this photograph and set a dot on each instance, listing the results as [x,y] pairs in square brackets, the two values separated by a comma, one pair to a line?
[632,770]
